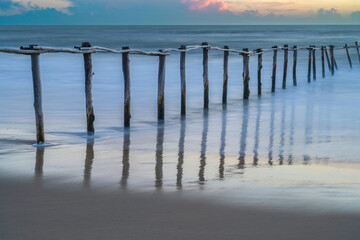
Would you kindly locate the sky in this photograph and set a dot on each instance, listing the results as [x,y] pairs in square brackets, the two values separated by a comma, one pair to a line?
[165,12]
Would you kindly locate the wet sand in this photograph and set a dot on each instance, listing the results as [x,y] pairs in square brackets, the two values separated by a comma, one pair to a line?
[30,211]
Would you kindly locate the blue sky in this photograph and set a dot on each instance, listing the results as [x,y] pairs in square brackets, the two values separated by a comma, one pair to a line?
[179,12]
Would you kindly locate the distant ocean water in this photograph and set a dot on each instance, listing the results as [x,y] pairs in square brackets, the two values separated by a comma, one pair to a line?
[315,123]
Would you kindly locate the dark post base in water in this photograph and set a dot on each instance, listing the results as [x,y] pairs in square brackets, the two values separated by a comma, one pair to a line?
[348,54]
[309,64]
[260,66]
[39,117]
[332,57]
[183,80]
[294,66]
[127,87]
[314,62]
[206,74]
[90,117]
[225,75]
[286,55]
[161,89]
[273,78]
[246,74]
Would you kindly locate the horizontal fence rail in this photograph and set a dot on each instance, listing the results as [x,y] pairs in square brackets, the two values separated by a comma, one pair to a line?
[327,52]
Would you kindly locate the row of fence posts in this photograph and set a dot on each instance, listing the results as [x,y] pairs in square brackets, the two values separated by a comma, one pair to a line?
[161,79]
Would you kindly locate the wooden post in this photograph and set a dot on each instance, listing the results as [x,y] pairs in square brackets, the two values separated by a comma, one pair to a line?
[183,80]
[323,61]
[327,58]
[314,62]
[246,74]
[286,56]
[127,87]
[39,117]
[357,49]
[273,78]
[309,64]
[161,88]
[260,66]
[225,75]
[206,74]
[294,66]
[348,55]
[90,117]
[332,59]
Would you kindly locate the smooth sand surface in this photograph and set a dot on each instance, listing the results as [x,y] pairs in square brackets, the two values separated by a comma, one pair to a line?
[29,211]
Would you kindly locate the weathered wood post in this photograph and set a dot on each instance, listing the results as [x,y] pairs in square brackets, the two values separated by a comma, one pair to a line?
[332,59]
[294,66]
[206,74]
[225,75]
[90,117]
[246,73]
[286,56]
[259,51]
[161,88]
[309,64]
[273,78]
[127,87]
[327,58]
[348,54]
[39,117]
[183,80]
[357,49]
[323,61]
[314,62]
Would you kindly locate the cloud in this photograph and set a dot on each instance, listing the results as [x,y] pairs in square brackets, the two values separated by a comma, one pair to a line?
[219,5]
[16,7]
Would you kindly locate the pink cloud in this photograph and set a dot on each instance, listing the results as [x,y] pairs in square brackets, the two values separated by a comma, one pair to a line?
[206,4]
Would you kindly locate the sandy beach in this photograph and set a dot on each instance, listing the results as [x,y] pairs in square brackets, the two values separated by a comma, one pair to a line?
[29,211]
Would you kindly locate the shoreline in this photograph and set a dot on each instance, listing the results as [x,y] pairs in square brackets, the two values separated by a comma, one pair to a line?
[33,212]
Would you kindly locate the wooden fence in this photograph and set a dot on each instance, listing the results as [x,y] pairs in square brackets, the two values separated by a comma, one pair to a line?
[327,52]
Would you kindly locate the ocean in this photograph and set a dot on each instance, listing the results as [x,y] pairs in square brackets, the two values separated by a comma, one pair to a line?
[293,148]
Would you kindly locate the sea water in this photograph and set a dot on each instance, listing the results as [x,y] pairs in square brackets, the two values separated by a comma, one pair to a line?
[295,147]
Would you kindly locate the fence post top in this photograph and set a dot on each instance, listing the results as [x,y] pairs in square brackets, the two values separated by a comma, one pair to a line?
[31,47]
[86,44]
[226,47]
[286,45]
[183,47]
[275,47]
[125,48]
[204,43]
[259,50]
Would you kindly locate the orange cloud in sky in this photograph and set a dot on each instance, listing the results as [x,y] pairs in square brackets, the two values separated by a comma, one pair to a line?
[204,4]
[277,7]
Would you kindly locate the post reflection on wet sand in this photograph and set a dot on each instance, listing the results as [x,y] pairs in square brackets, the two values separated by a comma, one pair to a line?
[282,134]
[272,130]
[89,159]
[203,147]
[291,135]
[180,163]
[257,135]
[243,135]
[125,159]
[222,143]
[39,163]
[159,156]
